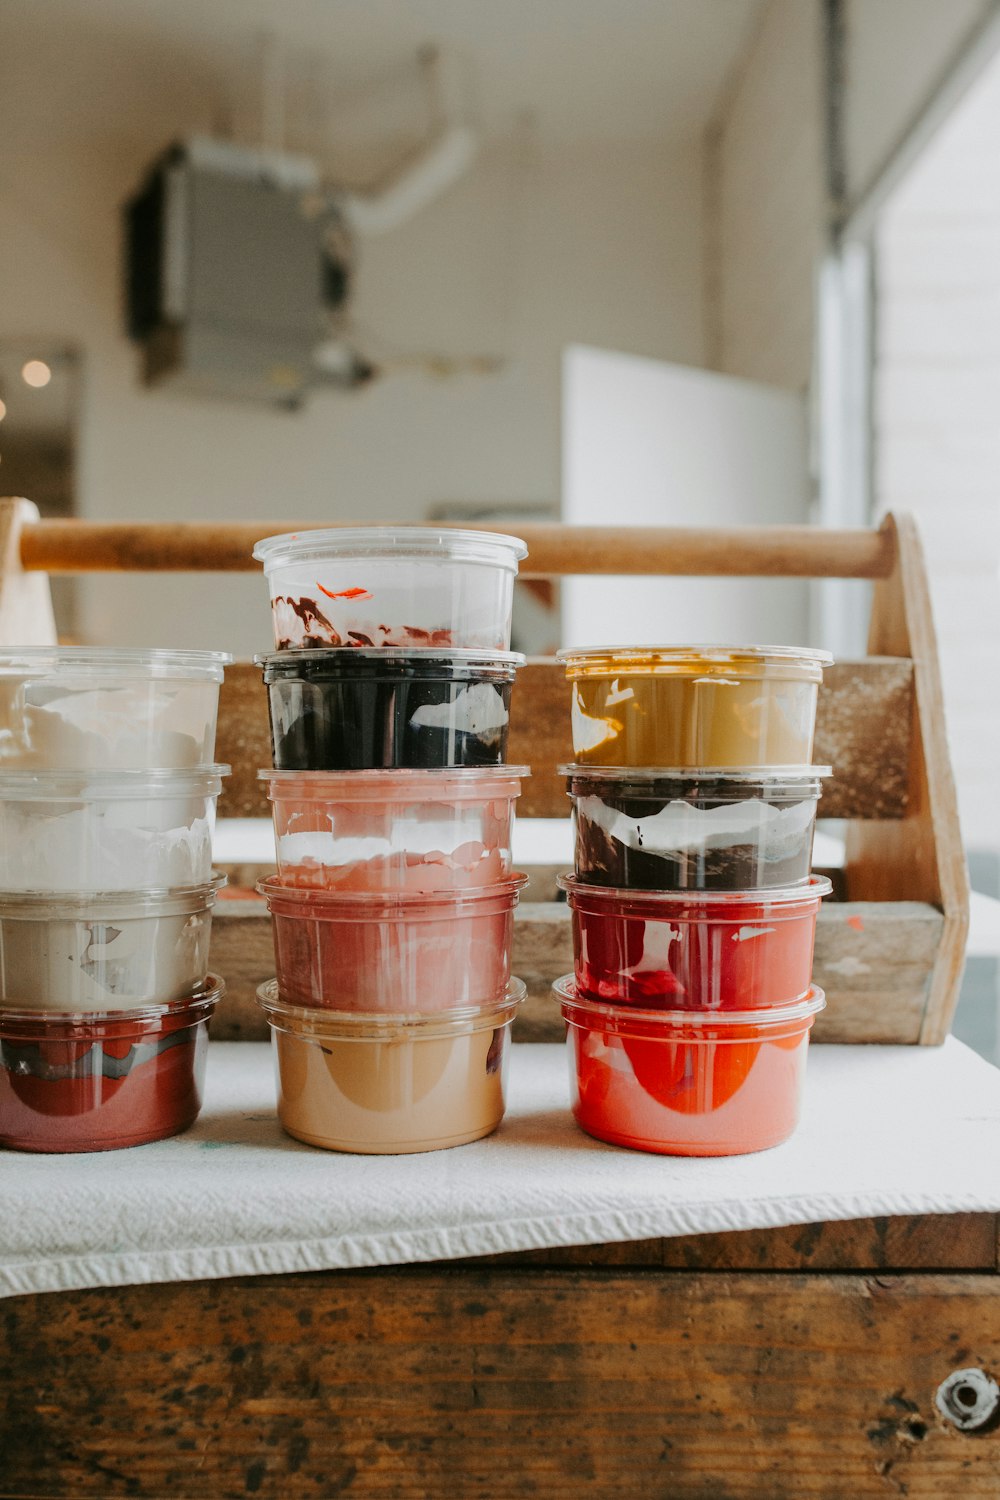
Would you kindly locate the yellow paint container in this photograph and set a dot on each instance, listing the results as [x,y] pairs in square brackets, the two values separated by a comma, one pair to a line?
[688,706]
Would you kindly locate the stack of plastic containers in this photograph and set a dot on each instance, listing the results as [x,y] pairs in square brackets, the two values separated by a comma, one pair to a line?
[393,903]
[693,907]
[107,807]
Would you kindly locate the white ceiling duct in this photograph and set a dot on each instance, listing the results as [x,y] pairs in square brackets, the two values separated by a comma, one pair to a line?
[437,167]
[447,156]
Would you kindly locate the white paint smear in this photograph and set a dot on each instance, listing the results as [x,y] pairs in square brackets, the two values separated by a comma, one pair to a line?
[680,827]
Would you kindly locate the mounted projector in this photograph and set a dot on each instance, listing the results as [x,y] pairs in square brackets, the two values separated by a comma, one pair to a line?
[237,263]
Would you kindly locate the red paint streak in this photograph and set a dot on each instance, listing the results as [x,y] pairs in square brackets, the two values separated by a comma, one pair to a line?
[856,923]
[357,593]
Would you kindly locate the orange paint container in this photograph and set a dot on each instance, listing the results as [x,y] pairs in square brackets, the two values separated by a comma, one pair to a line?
[686,1083]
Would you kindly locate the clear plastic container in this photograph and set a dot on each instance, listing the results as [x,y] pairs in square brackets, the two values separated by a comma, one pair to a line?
[679,950]
[107,830]
[705,830]
[382,710]
[686,1084]
[85,952]
[416,831]
[398,954]
[694,706]
[382,1084]
[72,708]
[101,1082]
[391,586]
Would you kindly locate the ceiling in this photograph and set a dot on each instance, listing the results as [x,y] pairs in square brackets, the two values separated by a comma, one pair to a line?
[581,71]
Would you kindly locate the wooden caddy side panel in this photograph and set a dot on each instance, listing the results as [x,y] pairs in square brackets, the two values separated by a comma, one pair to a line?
[920,857]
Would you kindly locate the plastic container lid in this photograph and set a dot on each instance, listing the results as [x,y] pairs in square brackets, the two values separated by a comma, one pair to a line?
[356,1026]
[632,1020]
[109,906]
[816,887]
[115,661]
[118,786]
[450,784]
[391,661]
[599,661]
[769,776]
[110,1025]
[331,905]
[391,543]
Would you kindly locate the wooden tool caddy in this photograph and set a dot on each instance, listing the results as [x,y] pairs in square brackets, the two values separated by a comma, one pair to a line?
[889,946]
[773,1364]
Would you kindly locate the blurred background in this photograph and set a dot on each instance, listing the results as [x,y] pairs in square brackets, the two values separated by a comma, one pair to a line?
[626,261]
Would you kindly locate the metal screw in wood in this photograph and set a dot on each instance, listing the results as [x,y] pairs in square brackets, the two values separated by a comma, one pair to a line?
[969,1399]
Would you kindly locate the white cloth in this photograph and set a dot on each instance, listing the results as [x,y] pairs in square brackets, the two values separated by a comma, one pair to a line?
[886,1130]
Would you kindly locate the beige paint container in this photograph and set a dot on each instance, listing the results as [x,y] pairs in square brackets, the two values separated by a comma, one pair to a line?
[382,1085]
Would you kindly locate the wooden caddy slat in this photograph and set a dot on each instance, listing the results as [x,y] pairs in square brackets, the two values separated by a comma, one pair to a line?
[873,959]
[864,715]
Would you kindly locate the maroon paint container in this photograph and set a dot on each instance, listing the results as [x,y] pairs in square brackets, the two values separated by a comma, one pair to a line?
[391,952]
[100,1082]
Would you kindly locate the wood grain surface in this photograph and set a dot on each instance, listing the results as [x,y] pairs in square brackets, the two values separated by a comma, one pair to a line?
[925,1242]
[489,1382]
[863,724]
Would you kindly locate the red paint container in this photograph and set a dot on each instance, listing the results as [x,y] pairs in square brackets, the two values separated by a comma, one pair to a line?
[392,952]
[701,950]
[100,1082]
[682,1083]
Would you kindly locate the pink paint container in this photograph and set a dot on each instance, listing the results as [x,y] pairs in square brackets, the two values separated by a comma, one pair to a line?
[392,953]
[385,1084]
[707,950]
[99,1082]
[684,1083]
[404,831]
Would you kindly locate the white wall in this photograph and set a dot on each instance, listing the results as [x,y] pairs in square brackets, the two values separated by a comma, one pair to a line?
[937,395]
[766,202]
[767,194]
[527,255]
[658,444]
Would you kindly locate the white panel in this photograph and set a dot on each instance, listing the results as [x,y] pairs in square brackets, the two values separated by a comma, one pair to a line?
[647,443]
